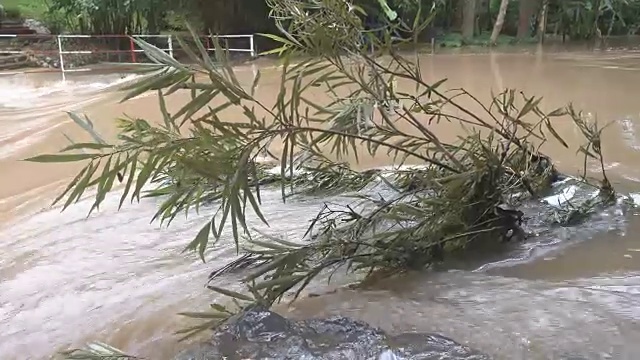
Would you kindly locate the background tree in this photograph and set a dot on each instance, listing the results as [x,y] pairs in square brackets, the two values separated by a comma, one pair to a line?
[502,13]
[542,21]
[527,9]
[468,18]
[575,19]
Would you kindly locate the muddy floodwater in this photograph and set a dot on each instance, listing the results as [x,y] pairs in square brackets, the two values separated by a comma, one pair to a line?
[66,279]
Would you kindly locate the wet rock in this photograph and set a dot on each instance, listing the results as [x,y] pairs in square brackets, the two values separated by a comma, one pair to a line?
[37,26]
[262,334]
[430,346]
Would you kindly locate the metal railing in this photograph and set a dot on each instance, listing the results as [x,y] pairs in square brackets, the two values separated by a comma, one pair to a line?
[133,50]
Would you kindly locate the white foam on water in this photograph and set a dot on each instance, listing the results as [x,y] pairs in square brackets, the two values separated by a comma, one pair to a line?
[635,197]
[22,144]
[565,196]
[28,102]
[629,133]
[21,91]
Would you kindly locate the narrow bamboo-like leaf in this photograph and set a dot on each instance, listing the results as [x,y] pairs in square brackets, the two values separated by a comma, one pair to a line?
[58,158]
[256,81]
[103,185]
[204,60]
[528,106]
[157,54]
[201,240]
[71,185]
[166,117]
[204,315]
[87,126]
[195,330]
[132,171]
[279,281]
[152,82]
[230,293]
[89,146]
[270,245]
[202,100]
[553,132]
[278,51]
[81,186]
[289,41]
[256,207]
[263,269]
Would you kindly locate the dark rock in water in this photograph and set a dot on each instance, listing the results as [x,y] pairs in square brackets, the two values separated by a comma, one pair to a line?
[263,334]
[430,346]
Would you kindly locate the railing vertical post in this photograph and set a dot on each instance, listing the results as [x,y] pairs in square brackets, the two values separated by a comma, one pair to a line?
[252,45]
[61,57]
[132,47]
[170,44]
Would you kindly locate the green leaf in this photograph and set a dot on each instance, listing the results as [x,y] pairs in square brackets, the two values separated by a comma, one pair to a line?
[144,175]
[157,54]
[201,240]
[278,281]
[256,80]
[133,162]
[230,293]
[59,158]
[204,315]
[285,41]
[553,132]
[87,126]
[85,146]
[81,186]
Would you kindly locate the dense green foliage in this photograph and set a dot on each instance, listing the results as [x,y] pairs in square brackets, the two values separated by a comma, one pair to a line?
[22,8]
[577,19]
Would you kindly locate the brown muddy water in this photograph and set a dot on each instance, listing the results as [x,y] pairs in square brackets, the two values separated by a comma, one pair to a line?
[66,279]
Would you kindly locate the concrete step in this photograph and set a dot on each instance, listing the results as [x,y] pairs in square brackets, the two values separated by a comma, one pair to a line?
[16,65]
[14,61]
[7,58]
[8,27]
[16,30]
[11,22]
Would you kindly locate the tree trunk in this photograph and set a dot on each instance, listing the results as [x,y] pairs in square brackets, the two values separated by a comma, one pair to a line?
[468,19]
[497,28]
[596,18]
[542,24]
[525,11]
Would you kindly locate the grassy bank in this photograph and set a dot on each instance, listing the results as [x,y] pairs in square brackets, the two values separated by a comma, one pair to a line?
[456,40]
[35,9]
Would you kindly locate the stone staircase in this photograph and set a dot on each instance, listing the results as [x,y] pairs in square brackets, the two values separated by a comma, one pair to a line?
[10,61]
[10,27]
[11,55]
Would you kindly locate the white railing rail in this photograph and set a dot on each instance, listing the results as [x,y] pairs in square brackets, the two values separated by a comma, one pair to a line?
[170,50]
[251,49]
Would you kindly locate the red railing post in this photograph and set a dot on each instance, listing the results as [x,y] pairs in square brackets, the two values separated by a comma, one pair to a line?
[133,49]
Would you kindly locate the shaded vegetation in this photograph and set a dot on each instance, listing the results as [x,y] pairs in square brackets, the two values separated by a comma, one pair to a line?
[16,9]
[523,20]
